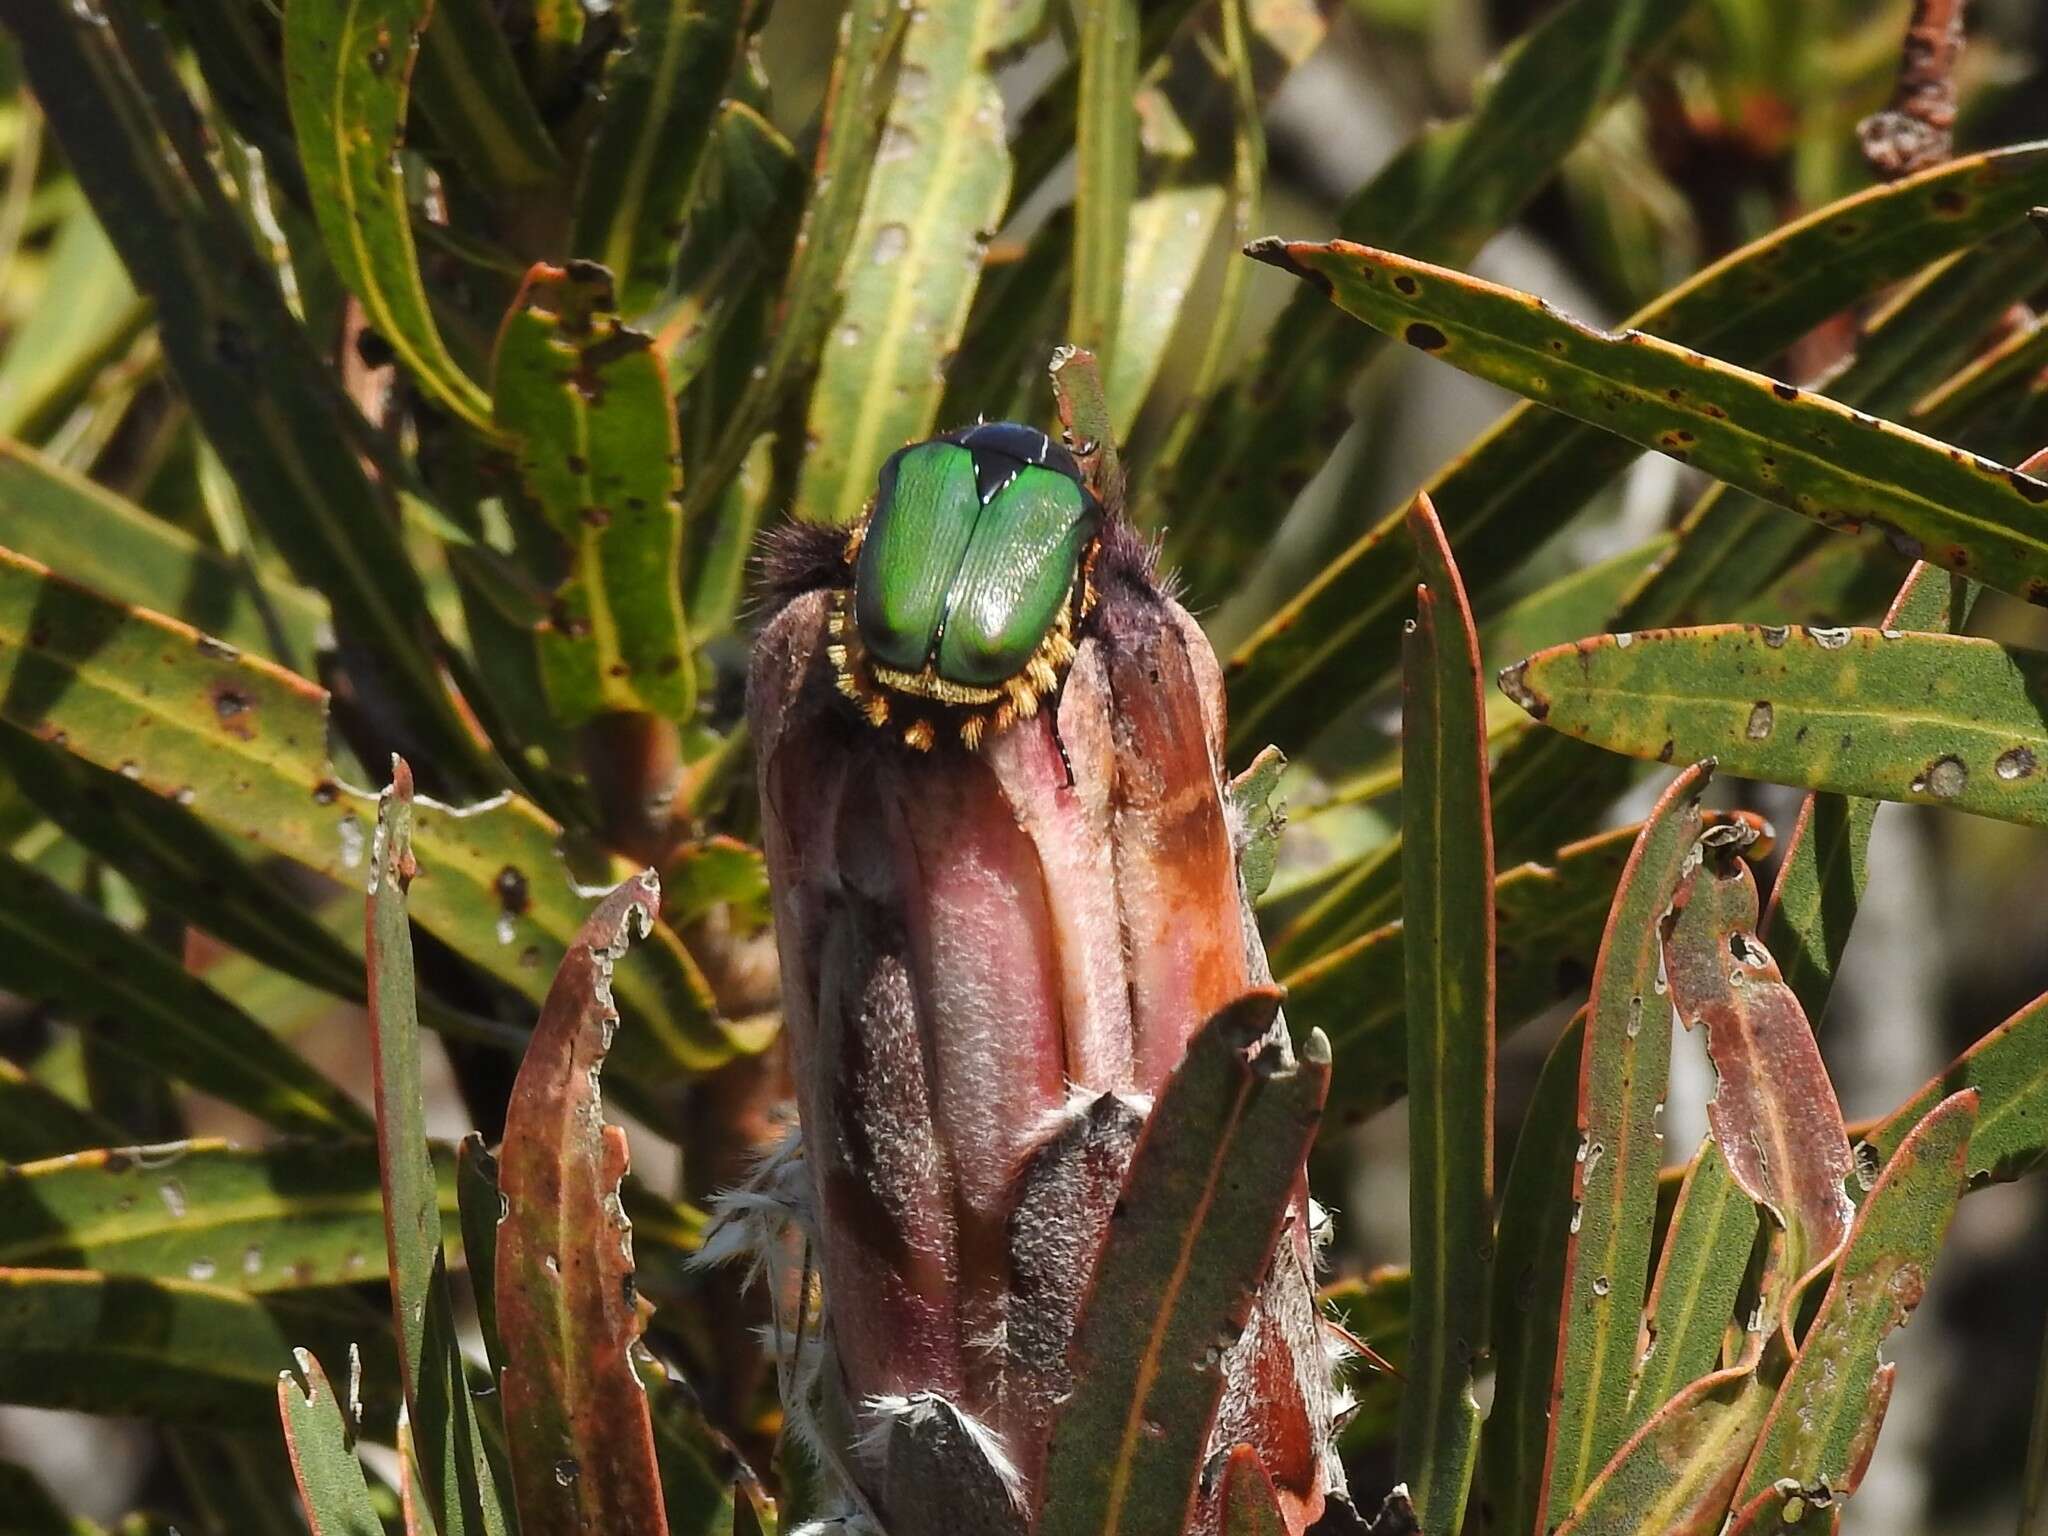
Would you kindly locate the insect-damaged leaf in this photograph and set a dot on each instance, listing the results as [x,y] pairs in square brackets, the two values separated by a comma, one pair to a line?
[584,400]
[1623,1072]
[1773,1110]
[448,1443]
[1818,1439]
[1802,451]
[576,1418]
[1931,719]
[319,1442]
[177,1351]
[1529,473]
[1447,940]
[287,1216]
[1202,1208]
[244,744]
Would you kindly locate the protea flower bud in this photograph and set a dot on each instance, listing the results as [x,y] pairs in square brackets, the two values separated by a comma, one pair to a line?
[996,943]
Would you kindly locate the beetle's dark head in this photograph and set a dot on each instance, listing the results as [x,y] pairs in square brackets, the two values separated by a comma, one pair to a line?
[958,597]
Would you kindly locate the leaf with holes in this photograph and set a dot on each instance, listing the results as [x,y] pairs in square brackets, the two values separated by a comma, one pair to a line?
[255,737]
[1622,1079]
[585,402]
[1773,1110]
[318,1439]
[576,1416]
[1532,471]
[1814,1447]
[289,1216]
[1802,451]
[176,1351]
[1888,715]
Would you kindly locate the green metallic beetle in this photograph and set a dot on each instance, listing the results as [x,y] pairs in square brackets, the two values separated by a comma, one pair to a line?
[970,572]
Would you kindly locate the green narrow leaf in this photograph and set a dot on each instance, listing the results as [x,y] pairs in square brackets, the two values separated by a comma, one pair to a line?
[912,263]
[290,437]
[1528,1293]
[289,1216]
[1814,1447]
[476,1188]
[1802,451]
[99,540]
[460,1488]
[180,864]
[1442,196]
[143,1003]
[576,1414]
[36,1122]
[1699,1275]
[2008,1070]
[198,1356]
[348,75]
[1527,475]
[585,400]
[1676,1474]
[1448,923]
[1548,920]
[660,99]
[1622,1081]
[243,744]
[1179,1273]
[1888,715]
[856,100]
[317,1438]
[88,314]
[1168,235]
[1105,172]
[698,1487]
[468,86]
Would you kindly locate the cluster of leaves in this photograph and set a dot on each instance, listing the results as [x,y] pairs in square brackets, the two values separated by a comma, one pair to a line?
[394,375]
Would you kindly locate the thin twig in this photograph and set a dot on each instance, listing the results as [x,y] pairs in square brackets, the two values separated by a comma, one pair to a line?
[1915,131]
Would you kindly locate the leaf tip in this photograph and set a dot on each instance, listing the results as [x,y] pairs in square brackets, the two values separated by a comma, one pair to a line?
[1514,682]
[1276,252]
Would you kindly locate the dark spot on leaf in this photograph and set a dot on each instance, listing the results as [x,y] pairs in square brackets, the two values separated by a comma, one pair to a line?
[578,465]
[1426,337]
[219,650]
[326,792]
[1784,391]
[596,517]
[1665,752]
[2034,490]
[1406,284]
[1949,201]
[232,707]
[513,894]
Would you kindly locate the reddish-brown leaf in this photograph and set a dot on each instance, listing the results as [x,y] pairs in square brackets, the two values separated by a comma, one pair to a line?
[581,1440]
[1774,1112]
